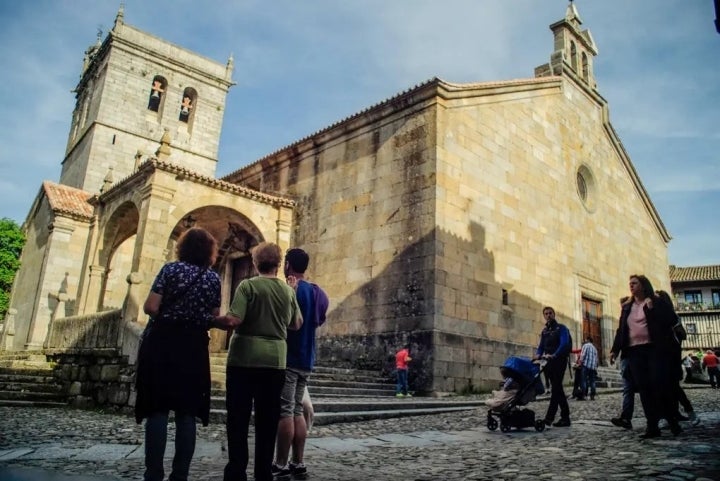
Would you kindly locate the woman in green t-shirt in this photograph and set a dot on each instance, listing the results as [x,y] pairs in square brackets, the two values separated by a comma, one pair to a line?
[263,308]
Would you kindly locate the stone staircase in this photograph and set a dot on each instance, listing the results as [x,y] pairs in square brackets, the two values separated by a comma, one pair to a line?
[610,377]
[327,382]
[346,395]
[26,379]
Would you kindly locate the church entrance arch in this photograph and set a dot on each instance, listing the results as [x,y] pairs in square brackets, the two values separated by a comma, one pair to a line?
[236,235]
[116,254]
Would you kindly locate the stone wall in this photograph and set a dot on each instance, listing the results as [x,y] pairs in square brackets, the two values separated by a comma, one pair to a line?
[91,364]
[94,378]
[456,210]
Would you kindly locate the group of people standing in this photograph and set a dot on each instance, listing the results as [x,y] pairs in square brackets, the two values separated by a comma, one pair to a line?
[650,353]
[648,345]
[270,357]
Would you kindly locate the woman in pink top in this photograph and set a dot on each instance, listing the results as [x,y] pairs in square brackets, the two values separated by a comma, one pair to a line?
[645,339]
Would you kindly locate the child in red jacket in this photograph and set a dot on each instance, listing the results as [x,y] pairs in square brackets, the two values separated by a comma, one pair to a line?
[402,358]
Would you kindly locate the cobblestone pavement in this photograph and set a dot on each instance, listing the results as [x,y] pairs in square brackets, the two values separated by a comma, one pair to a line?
[68,445]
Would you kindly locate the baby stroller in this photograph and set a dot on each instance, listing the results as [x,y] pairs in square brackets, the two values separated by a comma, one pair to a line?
[522,384]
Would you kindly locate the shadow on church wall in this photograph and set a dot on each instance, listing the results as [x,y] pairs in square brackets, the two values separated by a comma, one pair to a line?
[458,336]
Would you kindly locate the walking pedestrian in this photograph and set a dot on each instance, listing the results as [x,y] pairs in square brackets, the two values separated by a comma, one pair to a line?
[644,336]
[710,362]
[555,344]
[589,364]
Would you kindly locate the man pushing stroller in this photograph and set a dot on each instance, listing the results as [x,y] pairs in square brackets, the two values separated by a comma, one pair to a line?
[555,344]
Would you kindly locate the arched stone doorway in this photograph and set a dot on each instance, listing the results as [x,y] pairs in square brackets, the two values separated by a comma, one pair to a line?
[116,255]
[236,235]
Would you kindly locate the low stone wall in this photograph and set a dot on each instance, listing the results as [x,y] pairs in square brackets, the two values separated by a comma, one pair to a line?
[100,330]
[94,357]
[95,377]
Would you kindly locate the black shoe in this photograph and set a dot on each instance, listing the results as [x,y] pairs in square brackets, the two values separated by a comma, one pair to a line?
[548,422]
[299,470]
[280,473]
[675,428]
[680,417]
[622,423]
[563,423]
[592,397]
[651,433]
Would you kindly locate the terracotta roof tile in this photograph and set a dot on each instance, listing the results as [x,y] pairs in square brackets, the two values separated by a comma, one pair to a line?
[694,273]
[68,200]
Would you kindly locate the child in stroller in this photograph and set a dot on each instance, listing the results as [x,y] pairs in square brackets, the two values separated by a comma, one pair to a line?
[521,385]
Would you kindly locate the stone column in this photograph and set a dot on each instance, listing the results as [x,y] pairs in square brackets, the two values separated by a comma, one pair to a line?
[53,274]
[94,293]
[62,298]
[154,228]
[283,227]
[133,299]
[8,333]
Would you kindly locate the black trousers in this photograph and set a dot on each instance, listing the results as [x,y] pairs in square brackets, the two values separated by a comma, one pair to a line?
[653,375]
[244,387]
[556,371]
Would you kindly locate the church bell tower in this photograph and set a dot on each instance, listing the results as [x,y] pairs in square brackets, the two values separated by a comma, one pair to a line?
[135,88]
[574,52]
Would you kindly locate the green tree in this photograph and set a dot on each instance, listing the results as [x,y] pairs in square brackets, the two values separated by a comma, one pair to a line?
[12,241]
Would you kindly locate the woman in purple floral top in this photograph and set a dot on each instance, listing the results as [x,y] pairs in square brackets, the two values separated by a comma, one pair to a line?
[173,362]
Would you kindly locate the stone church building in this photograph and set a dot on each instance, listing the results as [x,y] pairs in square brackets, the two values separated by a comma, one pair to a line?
[446,216]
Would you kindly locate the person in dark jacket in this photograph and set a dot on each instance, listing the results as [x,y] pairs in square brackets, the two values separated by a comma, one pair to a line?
[173,371]
[555,347]
[645,338]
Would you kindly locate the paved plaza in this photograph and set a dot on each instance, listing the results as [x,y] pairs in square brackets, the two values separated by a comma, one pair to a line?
[69,445]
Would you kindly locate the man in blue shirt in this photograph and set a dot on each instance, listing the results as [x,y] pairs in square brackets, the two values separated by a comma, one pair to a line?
[555,347]
[292,429]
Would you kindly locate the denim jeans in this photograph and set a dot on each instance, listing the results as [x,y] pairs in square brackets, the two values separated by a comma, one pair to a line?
[713,376]
[628,400]
[589,377]
[402,382]
[155,440]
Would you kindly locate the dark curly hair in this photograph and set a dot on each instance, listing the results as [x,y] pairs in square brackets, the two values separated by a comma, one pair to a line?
[197,246]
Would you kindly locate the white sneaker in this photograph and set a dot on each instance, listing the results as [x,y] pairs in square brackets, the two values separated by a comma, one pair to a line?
[694,419]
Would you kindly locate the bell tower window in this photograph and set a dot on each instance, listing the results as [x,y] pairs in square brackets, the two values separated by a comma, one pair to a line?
[585,67]
[187,105]
[157,93]
[573,56]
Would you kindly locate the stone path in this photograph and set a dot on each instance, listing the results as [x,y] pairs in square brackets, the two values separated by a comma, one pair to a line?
[66,445]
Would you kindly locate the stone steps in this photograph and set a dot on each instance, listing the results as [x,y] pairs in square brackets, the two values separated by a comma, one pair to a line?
[26,379]
[610,377]
[331,411]
[325,381]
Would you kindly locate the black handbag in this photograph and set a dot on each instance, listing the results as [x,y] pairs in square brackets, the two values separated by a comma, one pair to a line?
[679,331]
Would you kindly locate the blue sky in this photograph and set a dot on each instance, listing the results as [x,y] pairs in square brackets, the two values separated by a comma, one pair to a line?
[302,65]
